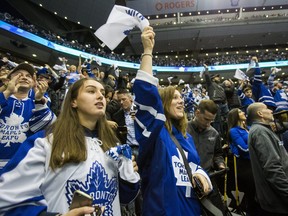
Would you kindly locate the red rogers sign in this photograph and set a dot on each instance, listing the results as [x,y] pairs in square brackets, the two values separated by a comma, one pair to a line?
[174,5]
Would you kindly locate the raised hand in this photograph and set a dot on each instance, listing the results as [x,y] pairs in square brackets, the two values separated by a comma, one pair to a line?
[40,89]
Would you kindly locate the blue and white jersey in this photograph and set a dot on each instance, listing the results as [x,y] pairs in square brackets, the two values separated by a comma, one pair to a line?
[19,119]
[280,97]
[260,92]
[166,187]
[28,185]
[72,77]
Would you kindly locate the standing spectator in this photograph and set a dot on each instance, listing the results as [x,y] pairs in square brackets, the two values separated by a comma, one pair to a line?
[280,97]
[217,93]
[245,95]
[208,145]
[79,152]
[269,162]
[54,85]
[231,94]
[125,119]
[166,187]
[259,90]
[238,142]
[20,115]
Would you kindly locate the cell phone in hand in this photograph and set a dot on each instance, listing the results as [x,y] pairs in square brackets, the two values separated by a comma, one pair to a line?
[122,129]
[81,199]
[198,188]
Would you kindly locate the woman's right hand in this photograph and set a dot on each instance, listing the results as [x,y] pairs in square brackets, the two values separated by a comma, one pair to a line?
[148,41]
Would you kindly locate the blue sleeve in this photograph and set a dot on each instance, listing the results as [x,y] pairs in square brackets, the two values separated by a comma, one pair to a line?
[128,191]
[270,81]
[30,210]
[41,118]
[3,101]
[150,116]
[238,139]
[257,83]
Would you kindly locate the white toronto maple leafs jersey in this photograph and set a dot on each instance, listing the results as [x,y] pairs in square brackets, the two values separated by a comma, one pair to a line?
[19,119]
[31,181]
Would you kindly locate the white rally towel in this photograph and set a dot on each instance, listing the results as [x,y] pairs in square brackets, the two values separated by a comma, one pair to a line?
[119,24]
[240,75]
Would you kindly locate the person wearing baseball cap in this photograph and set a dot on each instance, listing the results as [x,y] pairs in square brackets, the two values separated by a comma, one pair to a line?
[216,92]
[21,115]
[55,83]
[23,66]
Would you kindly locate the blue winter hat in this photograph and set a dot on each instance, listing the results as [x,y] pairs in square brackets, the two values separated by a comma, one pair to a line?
[44,72]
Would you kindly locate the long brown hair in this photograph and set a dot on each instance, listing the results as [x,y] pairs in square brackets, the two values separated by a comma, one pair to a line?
[68,145]
[167,95]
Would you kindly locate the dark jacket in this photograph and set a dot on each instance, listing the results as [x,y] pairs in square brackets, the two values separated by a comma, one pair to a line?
[208,145]
[119,118]
[215,91]
[270,168]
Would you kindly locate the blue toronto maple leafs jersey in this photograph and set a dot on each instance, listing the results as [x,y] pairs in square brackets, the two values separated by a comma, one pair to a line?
[166,187]
[19,120]
[260,92]
[31,186]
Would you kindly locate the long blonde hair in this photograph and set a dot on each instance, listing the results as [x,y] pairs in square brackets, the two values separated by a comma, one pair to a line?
[68,145]
[167,95]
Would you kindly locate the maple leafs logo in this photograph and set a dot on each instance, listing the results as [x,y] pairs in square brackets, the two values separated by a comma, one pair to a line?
[12,122]
[98,186]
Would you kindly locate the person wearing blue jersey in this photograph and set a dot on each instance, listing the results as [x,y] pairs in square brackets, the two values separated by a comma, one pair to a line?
[166,187]
[237,137]
[260,92]
[280,96]
[21,115]
[78,152]
[245,94]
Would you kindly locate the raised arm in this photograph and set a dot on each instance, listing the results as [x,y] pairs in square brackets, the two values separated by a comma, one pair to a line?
[148,44]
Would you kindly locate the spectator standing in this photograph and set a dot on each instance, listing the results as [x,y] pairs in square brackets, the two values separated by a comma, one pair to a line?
[217,93]
[245,95]
[208,144]
[238,142]
[231,94]
[79,152]
[269,162]
[259,90]
[275,87]
[166,187]
[20,115]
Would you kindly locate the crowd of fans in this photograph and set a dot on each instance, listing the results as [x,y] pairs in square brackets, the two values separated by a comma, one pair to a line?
[44,91]
[160,60]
